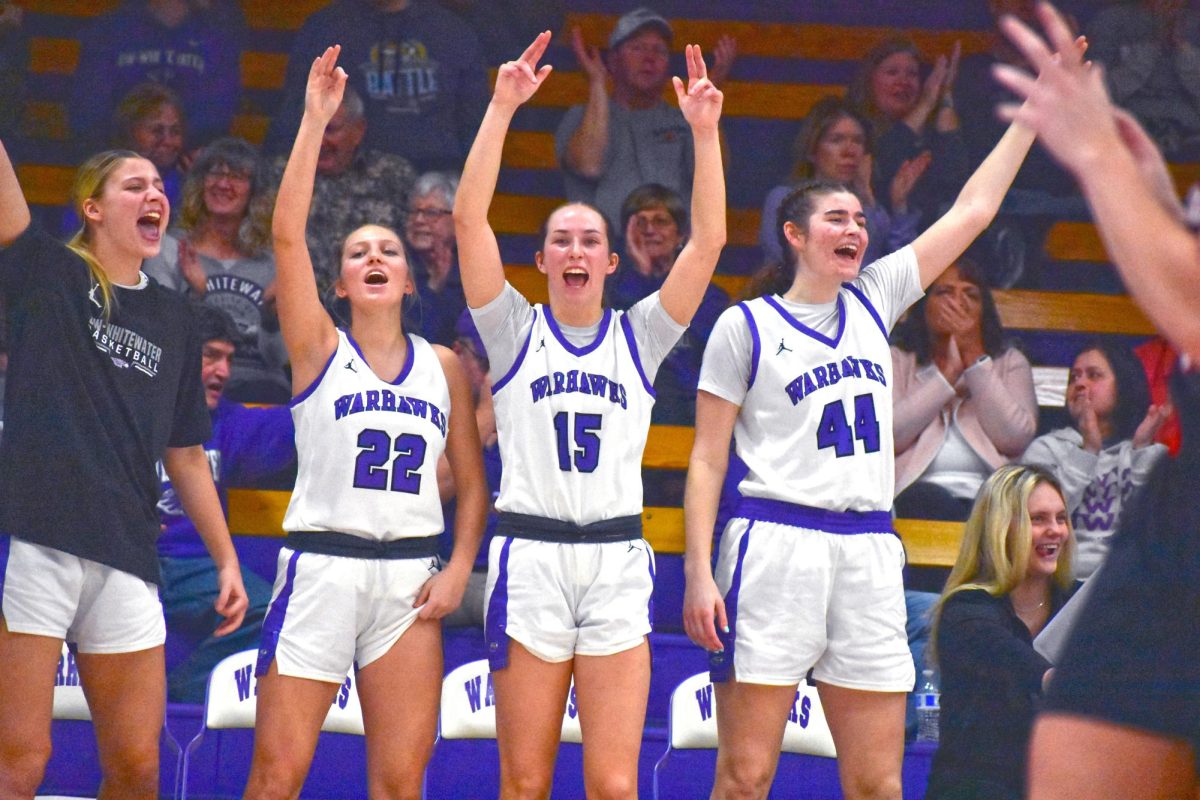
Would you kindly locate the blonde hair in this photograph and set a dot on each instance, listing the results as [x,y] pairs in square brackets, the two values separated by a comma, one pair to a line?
[994,554]
[254,234]
[90,181]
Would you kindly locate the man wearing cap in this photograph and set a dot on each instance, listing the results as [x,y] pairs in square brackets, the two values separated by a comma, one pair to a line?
[617,143]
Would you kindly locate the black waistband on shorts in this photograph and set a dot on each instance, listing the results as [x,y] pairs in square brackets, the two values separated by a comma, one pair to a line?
[347,545]
[544,529]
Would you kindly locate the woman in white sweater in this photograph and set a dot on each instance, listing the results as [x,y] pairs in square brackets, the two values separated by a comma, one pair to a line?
[1109,450]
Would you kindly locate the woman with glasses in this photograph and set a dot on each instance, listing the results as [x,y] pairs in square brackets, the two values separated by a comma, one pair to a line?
[433,255]
[221,252]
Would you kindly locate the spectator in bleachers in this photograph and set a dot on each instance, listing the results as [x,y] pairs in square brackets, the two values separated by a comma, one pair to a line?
[468,346]
[1042,193]
[655,222]
[416,66]
[963,396]
[1108,452]
[909,118]
[1151,53]
[505,27]
[1012,575]
[834,144]
[221,252]
[193,49]
[14,68]
[433,257]
[246,444]
[631,137]
[354,183]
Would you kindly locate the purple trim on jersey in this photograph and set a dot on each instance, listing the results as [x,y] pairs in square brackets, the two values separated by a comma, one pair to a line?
[820,519]
[409,357]
[721,662]
[755,344]
[5,548]
[650,600]
[627,329]
[312,387]
[807,331]
[587,348]
[273,623]
[496,622]
[508,376]
[862,298]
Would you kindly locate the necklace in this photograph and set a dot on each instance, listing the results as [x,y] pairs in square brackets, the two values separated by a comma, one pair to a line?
[1020,610]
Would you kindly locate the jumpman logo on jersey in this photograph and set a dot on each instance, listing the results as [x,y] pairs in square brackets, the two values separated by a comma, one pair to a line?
[783,347]
[541,344]
[634,545]
[350,366]
[92,296]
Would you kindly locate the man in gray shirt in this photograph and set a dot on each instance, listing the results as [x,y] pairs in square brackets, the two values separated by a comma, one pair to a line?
[617,143]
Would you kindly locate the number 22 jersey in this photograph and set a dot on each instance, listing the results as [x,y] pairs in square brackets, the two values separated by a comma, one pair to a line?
[368,448]
[815,426]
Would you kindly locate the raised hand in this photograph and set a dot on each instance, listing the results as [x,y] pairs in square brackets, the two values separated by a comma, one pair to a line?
[326,84]
[517,81]
[1067,105]
[931,90]
[951,70]
[906,178]
[1149,160]
[1149,427]
[589,58]
[724,54]
[190,268]
[1087,421]
[635,247]
[701,101]
[952,365]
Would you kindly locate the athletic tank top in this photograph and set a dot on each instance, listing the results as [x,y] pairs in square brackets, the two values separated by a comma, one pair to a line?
[368,449]
[572,423]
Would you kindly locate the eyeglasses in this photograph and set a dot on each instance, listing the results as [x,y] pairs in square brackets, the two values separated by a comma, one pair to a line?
[661,222]
[162,131]
[233,175]
[429,213]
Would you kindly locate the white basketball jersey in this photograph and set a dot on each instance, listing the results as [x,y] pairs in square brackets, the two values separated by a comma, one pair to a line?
[368,449]
[573,423]
[816,425]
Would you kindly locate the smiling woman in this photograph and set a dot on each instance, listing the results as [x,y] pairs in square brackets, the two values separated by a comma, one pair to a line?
[571,491]
[103,367]
[1012,576]
[220,252]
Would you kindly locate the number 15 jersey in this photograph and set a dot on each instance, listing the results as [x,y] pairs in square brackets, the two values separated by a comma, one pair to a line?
[368,448]
[815,426]
[573,422]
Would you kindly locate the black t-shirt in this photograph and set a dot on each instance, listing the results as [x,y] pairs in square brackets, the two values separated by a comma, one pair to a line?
[91,405]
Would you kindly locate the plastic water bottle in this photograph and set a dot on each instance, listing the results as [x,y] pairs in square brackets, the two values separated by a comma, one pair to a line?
[928,708]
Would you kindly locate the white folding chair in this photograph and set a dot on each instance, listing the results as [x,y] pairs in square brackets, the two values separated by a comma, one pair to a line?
[231,703]
[692,722]
[469,706]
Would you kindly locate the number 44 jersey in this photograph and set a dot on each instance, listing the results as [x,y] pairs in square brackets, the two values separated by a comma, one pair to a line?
[368,448]
[816,425]
[573,423]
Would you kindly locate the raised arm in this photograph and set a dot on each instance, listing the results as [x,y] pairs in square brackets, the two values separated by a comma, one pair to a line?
[480,267]
[586,148]
[701,106]
[1068,106]
[308,332]
[976,205]
[14,211]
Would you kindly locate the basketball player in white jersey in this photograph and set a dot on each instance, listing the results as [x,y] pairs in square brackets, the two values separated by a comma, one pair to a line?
[570,576]
[809,571]
[359,581]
